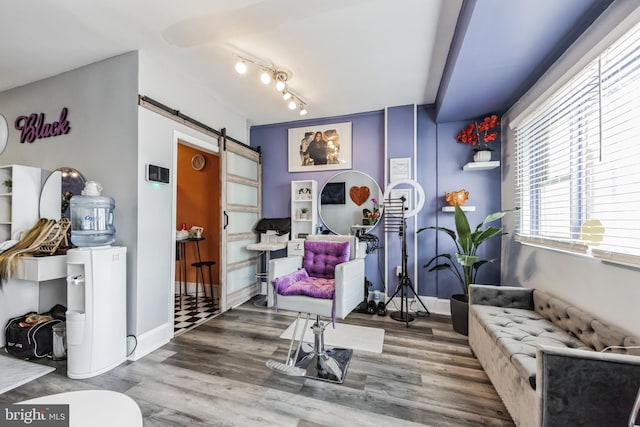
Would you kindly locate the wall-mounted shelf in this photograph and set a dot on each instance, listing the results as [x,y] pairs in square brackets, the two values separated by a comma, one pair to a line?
[464,208]
[19,208]
[303,195]
[481,166]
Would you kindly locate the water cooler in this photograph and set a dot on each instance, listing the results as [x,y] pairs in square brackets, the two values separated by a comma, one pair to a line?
[97,310]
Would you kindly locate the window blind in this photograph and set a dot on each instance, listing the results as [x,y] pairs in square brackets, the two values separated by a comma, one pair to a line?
[577,159]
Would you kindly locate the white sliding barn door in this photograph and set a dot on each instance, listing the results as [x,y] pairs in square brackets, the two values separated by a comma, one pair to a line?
[241,206]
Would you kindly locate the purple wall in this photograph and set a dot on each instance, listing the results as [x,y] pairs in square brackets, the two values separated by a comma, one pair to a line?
[427,133]
[439,168]
[484,194]
[400,129]
[367,156]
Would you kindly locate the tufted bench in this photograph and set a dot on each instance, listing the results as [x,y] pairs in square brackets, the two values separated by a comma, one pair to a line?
[545,358]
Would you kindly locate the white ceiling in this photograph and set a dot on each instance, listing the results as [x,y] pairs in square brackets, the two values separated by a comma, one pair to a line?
[346,56]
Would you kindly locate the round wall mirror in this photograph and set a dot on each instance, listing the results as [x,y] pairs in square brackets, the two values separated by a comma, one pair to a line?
[346,205]
[56,193]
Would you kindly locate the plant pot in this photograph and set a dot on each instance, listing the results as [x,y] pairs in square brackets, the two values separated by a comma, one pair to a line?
[459,314]
[482,156]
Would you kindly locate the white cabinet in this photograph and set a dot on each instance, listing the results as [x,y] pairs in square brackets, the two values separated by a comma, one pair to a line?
[19,206]
[304,208]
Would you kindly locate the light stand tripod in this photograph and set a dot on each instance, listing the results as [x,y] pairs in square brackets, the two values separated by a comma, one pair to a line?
[395,221]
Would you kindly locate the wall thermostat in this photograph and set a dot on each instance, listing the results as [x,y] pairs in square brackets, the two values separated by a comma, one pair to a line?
[157,174]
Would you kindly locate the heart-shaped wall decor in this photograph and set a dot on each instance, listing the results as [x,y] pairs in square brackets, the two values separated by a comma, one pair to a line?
[359,195]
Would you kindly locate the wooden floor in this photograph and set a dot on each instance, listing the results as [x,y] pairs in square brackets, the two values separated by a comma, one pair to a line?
[216,375]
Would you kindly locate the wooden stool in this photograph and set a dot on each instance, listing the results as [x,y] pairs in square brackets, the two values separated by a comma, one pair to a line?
[200,272]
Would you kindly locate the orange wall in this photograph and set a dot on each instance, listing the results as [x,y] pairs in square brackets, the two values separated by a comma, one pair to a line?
[198,203]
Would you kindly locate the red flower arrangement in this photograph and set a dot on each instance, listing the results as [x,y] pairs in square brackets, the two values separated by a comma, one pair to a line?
[479,133]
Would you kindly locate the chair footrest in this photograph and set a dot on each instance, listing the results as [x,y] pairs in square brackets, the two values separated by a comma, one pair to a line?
[293,371]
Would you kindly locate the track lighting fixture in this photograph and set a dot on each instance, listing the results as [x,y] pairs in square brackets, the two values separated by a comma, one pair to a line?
[281,78]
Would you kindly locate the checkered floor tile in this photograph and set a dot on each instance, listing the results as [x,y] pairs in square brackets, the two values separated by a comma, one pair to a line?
[188,317]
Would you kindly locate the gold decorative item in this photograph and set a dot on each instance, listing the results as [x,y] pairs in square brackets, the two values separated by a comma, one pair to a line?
[457,197]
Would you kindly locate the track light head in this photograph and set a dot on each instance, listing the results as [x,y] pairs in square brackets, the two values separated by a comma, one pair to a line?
[303,110]
[241,67]
[281,78]
[292,104]
[286,95]
[265,77]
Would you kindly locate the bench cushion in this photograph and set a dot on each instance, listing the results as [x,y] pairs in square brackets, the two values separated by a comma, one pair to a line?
[517,332]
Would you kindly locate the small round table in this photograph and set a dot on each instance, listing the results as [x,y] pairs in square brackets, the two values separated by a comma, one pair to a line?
[95,408]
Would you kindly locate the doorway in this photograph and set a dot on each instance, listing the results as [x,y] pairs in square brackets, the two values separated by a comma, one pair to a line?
[197,205]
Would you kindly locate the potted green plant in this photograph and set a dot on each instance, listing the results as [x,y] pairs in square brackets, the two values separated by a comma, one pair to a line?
[9,184]
[466,264]
[303,213]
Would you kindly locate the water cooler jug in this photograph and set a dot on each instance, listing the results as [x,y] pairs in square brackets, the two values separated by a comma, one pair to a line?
[92,217]
[97,310]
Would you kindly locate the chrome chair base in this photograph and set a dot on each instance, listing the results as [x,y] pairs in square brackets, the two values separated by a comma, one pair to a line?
[315,362]
[330,365]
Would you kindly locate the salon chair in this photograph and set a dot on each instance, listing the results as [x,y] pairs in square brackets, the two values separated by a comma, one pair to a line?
[326,282]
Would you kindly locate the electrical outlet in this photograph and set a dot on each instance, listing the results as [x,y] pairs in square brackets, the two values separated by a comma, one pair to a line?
[398,270]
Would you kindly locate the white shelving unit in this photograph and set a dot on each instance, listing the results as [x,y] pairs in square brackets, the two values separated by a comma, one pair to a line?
[304,196]
[481,166]
[19,208]
[464,208]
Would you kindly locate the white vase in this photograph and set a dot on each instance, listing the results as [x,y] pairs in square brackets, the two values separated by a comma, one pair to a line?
[482,156]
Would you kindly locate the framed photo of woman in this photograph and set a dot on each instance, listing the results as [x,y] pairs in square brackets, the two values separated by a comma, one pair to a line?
[322,147]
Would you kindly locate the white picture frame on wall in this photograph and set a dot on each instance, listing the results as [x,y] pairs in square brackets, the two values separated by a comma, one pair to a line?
[399,168]
[332,148]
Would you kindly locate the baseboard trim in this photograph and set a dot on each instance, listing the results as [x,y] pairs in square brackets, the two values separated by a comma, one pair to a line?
[434,305]
[151,340]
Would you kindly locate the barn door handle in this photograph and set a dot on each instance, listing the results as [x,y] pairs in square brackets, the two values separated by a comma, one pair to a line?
[226,220]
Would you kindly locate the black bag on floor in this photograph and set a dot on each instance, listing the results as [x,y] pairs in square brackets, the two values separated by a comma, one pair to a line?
[31,336]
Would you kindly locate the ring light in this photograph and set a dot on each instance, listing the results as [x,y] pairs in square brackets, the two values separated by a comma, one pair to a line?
[420,193]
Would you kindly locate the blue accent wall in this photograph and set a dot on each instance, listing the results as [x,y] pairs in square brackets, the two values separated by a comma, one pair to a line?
[439,160]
